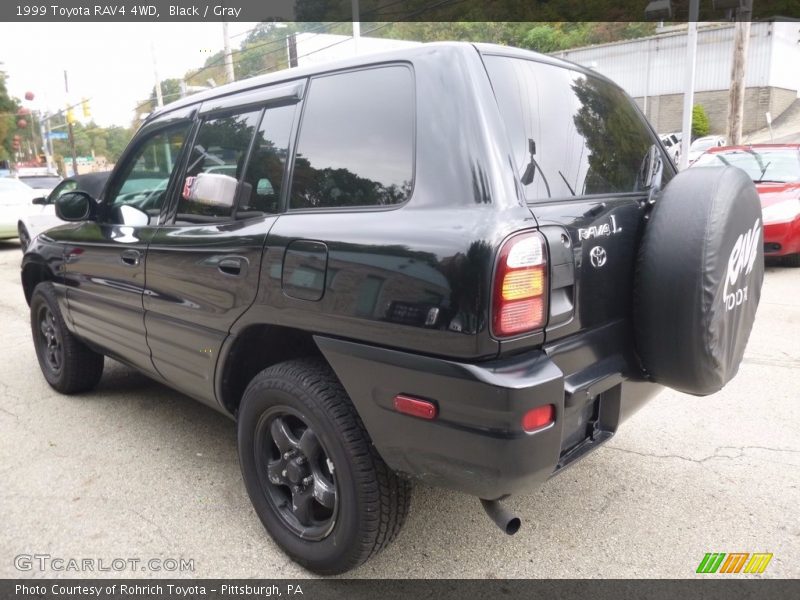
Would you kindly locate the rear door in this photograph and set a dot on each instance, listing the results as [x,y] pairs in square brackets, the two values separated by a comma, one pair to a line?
[203,263]
[586,145]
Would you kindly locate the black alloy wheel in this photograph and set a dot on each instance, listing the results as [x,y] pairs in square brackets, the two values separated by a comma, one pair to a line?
[296,472]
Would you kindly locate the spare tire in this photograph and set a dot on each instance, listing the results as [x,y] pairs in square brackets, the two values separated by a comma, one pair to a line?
[698,281]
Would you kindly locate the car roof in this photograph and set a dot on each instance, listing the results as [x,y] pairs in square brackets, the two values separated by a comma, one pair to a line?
[396,55]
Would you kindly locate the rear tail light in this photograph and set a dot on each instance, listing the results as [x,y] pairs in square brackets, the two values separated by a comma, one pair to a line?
[520,290]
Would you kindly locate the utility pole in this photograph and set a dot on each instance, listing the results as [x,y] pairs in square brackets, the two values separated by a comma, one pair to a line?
[291,49]
[356,26]
[70,133]
[229,76]
[159,97]
[741,40]
[688,93]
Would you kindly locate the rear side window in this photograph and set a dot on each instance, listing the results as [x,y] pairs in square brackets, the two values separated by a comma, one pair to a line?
[573,135]
[356,142]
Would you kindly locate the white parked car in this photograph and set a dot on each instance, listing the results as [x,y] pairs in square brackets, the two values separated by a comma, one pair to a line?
[15,201]
[41,180]
[41,213]
[702,144]
[672,142]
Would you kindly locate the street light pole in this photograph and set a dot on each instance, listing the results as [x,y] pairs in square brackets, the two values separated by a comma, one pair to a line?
[688,93]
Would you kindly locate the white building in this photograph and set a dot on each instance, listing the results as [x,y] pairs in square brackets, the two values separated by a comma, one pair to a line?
[652,70]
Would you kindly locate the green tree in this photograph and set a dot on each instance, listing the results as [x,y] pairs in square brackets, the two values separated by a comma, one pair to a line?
[8,119]
[92,139]
[699,121]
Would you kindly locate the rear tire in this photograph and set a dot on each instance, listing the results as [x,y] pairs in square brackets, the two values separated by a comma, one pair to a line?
[793,261]
[68,365]
[315,480]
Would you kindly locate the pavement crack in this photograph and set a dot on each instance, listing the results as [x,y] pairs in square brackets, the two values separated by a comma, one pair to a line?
[155,525]
[741,452]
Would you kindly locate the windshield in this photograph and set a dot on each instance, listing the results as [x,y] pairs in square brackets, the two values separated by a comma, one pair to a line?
[702,144]
[761,164]
[41,183]
[571,134]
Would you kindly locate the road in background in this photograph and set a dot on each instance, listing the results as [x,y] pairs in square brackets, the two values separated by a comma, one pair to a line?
[135,470]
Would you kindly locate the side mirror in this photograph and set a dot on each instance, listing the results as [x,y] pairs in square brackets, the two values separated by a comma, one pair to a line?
[75,206]
[211,189]
[40,200]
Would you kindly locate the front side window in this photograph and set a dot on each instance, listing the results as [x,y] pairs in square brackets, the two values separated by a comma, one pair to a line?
[571,134]
[144,177]
[263,180]
[356,141]
[216,166]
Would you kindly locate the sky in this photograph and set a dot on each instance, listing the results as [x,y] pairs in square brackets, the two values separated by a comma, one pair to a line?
[110,63]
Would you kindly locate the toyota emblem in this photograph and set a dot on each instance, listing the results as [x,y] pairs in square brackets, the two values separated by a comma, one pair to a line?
[598,256]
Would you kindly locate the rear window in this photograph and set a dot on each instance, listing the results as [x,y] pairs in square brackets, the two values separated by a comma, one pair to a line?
[573,135]
[356,142]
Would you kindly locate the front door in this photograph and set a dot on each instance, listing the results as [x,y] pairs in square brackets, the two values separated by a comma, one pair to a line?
[203,263]
[105,259]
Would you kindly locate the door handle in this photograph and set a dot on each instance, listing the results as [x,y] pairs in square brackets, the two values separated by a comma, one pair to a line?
[131,257]
[231,266]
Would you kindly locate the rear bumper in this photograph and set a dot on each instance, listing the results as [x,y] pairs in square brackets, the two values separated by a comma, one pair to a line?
[782,239]
[476,444]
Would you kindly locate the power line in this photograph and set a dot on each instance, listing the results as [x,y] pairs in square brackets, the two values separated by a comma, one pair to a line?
[221,60]
[314,32]
[375,12]
[376,28]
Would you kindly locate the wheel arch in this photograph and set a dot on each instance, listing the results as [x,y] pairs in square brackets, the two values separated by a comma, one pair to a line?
[254,349]
[34,272]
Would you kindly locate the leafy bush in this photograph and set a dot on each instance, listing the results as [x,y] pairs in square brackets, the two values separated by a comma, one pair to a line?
[699,121]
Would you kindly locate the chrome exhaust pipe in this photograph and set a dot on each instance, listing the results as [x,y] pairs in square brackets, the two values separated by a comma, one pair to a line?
[502,517]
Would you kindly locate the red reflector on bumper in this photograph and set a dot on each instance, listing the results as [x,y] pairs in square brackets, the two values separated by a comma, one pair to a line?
[424,409]
[539,417]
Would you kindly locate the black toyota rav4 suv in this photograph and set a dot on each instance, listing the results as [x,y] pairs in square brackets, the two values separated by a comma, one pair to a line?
[461,264]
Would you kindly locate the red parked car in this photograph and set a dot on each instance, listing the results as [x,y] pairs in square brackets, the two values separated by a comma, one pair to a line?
[775,169]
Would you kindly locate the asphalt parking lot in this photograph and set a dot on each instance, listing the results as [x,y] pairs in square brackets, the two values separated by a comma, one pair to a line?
[135,470]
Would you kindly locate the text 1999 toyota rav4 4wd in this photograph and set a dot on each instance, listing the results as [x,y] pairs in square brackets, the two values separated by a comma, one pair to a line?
[463,264]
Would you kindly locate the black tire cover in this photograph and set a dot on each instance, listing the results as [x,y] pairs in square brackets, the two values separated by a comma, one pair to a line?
[698,281]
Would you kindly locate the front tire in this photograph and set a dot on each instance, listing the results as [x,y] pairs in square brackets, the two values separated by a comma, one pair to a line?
[314,478]
[24,236]
[67,364]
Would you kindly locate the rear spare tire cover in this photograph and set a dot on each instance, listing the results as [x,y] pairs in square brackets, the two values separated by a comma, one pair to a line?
[698,282]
